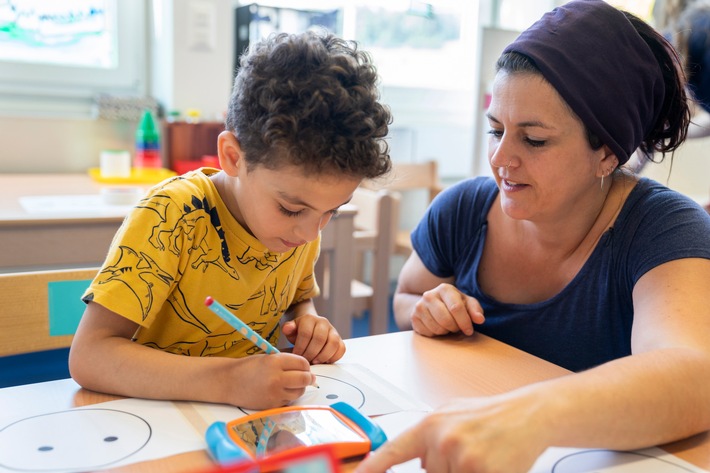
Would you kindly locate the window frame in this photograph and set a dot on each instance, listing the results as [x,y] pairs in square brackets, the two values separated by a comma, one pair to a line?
[56,90]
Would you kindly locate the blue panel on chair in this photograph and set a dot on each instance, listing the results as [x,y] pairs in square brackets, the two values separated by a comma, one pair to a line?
[34,367]
[65,306]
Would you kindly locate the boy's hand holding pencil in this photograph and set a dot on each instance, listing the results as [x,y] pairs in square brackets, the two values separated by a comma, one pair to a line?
[245,330]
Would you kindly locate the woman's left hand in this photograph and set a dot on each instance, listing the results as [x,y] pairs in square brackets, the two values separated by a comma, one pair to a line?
[314,338]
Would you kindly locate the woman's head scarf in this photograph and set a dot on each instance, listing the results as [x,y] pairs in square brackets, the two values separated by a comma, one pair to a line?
[595,59]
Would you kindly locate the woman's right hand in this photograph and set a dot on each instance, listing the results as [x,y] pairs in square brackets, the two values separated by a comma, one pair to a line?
[445,309]
[266,381]
[471,435]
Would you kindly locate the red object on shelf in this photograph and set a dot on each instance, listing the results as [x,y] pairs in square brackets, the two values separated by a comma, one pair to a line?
[210,160]
[181,167]
[188,146]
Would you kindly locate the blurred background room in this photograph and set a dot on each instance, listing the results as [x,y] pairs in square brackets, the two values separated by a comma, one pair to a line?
[83,78]
[74,75]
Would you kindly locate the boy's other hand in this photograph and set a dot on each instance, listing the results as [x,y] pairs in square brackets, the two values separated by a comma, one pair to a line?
[315,339]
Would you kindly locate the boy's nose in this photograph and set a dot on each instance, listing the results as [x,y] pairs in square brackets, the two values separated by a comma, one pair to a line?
[309,231]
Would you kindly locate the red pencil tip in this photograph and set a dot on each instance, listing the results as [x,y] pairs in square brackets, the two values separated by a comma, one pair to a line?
[209,301]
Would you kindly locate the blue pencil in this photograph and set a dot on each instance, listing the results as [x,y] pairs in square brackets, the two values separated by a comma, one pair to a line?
[241,327]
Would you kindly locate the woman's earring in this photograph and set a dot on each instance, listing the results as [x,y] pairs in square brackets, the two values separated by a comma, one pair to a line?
[605,174]
[507,166]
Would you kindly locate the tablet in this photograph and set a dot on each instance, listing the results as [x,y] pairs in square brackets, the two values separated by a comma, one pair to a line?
[284,431]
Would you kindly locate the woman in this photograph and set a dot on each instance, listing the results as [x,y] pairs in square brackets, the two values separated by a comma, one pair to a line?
[567,256]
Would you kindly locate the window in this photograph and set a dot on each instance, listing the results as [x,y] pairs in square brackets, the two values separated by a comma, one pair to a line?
[415,44]
[55,57]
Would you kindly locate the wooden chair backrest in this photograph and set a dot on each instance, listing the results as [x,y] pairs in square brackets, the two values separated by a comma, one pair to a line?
[24,309]
[410,176]
[376,218]
[375,232]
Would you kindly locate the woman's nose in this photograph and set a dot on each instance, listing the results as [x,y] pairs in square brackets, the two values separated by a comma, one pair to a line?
[499,154]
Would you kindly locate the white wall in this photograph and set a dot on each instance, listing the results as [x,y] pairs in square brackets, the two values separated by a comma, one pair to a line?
[688,172]
[52,145]
[438,124]
[192,54]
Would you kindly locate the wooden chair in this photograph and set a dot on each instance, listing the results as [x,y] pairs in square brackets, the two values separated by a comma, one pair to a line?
[375,231]
[406,178]
[333,272]
[26,300]
[347,284]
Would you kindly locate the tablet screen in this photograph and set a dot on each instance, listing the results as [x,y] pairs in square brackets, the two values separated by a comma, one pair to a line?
[302,428]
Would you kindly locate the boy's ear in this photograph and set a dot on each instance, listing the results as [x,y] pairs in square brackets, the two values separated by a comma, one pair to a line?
[231,157]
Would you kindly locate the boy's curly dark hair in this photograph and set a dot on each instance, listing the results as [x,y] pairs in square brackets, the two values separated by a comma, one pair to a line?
[310,100]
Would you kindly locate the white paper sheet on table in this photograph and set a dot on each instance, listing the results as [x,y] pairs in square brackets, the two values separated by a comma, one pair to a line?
[574,460]
[374,395]
[76,204]
[126,431]
[94,437]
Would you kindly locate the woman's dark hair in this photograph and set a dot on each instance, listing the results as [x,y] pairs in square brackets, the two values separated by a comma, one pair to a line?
[671,126]
[310,100]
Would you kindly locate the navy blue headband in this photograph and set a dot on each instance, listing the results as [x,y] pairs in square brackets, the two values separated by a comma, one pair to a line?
[595,59]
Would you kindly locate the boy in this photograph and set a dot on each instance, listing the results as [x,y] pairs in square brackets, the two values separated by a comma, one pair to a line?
[304,127]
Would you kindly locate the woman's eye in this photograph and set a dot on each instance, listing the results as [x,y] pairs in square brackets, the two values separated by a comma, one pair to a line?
[289,213]
[495,133]
[535,143]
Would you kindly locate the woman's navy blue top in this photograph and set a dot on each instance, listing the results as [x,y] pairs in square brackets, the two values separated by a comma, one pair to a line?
[589,322]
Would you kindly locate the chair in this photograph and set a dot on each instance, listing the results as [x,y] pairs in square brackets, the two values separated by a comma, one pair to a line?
[333,271]
[371,233]
[39,312]
[375,231]
[406,178]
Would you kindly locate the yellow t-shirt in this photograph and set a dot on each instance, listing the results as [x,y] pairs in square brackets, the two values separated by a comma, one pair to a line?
[179,245]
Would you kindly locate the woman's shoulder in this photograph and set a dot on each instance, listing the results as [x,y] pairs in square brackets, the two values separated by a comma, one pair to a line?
[648,192]
[657,225]
[657,205]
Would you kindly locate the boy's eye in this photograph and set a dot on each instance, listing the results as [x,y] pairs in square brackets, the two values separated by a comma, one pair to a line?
[289,213]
